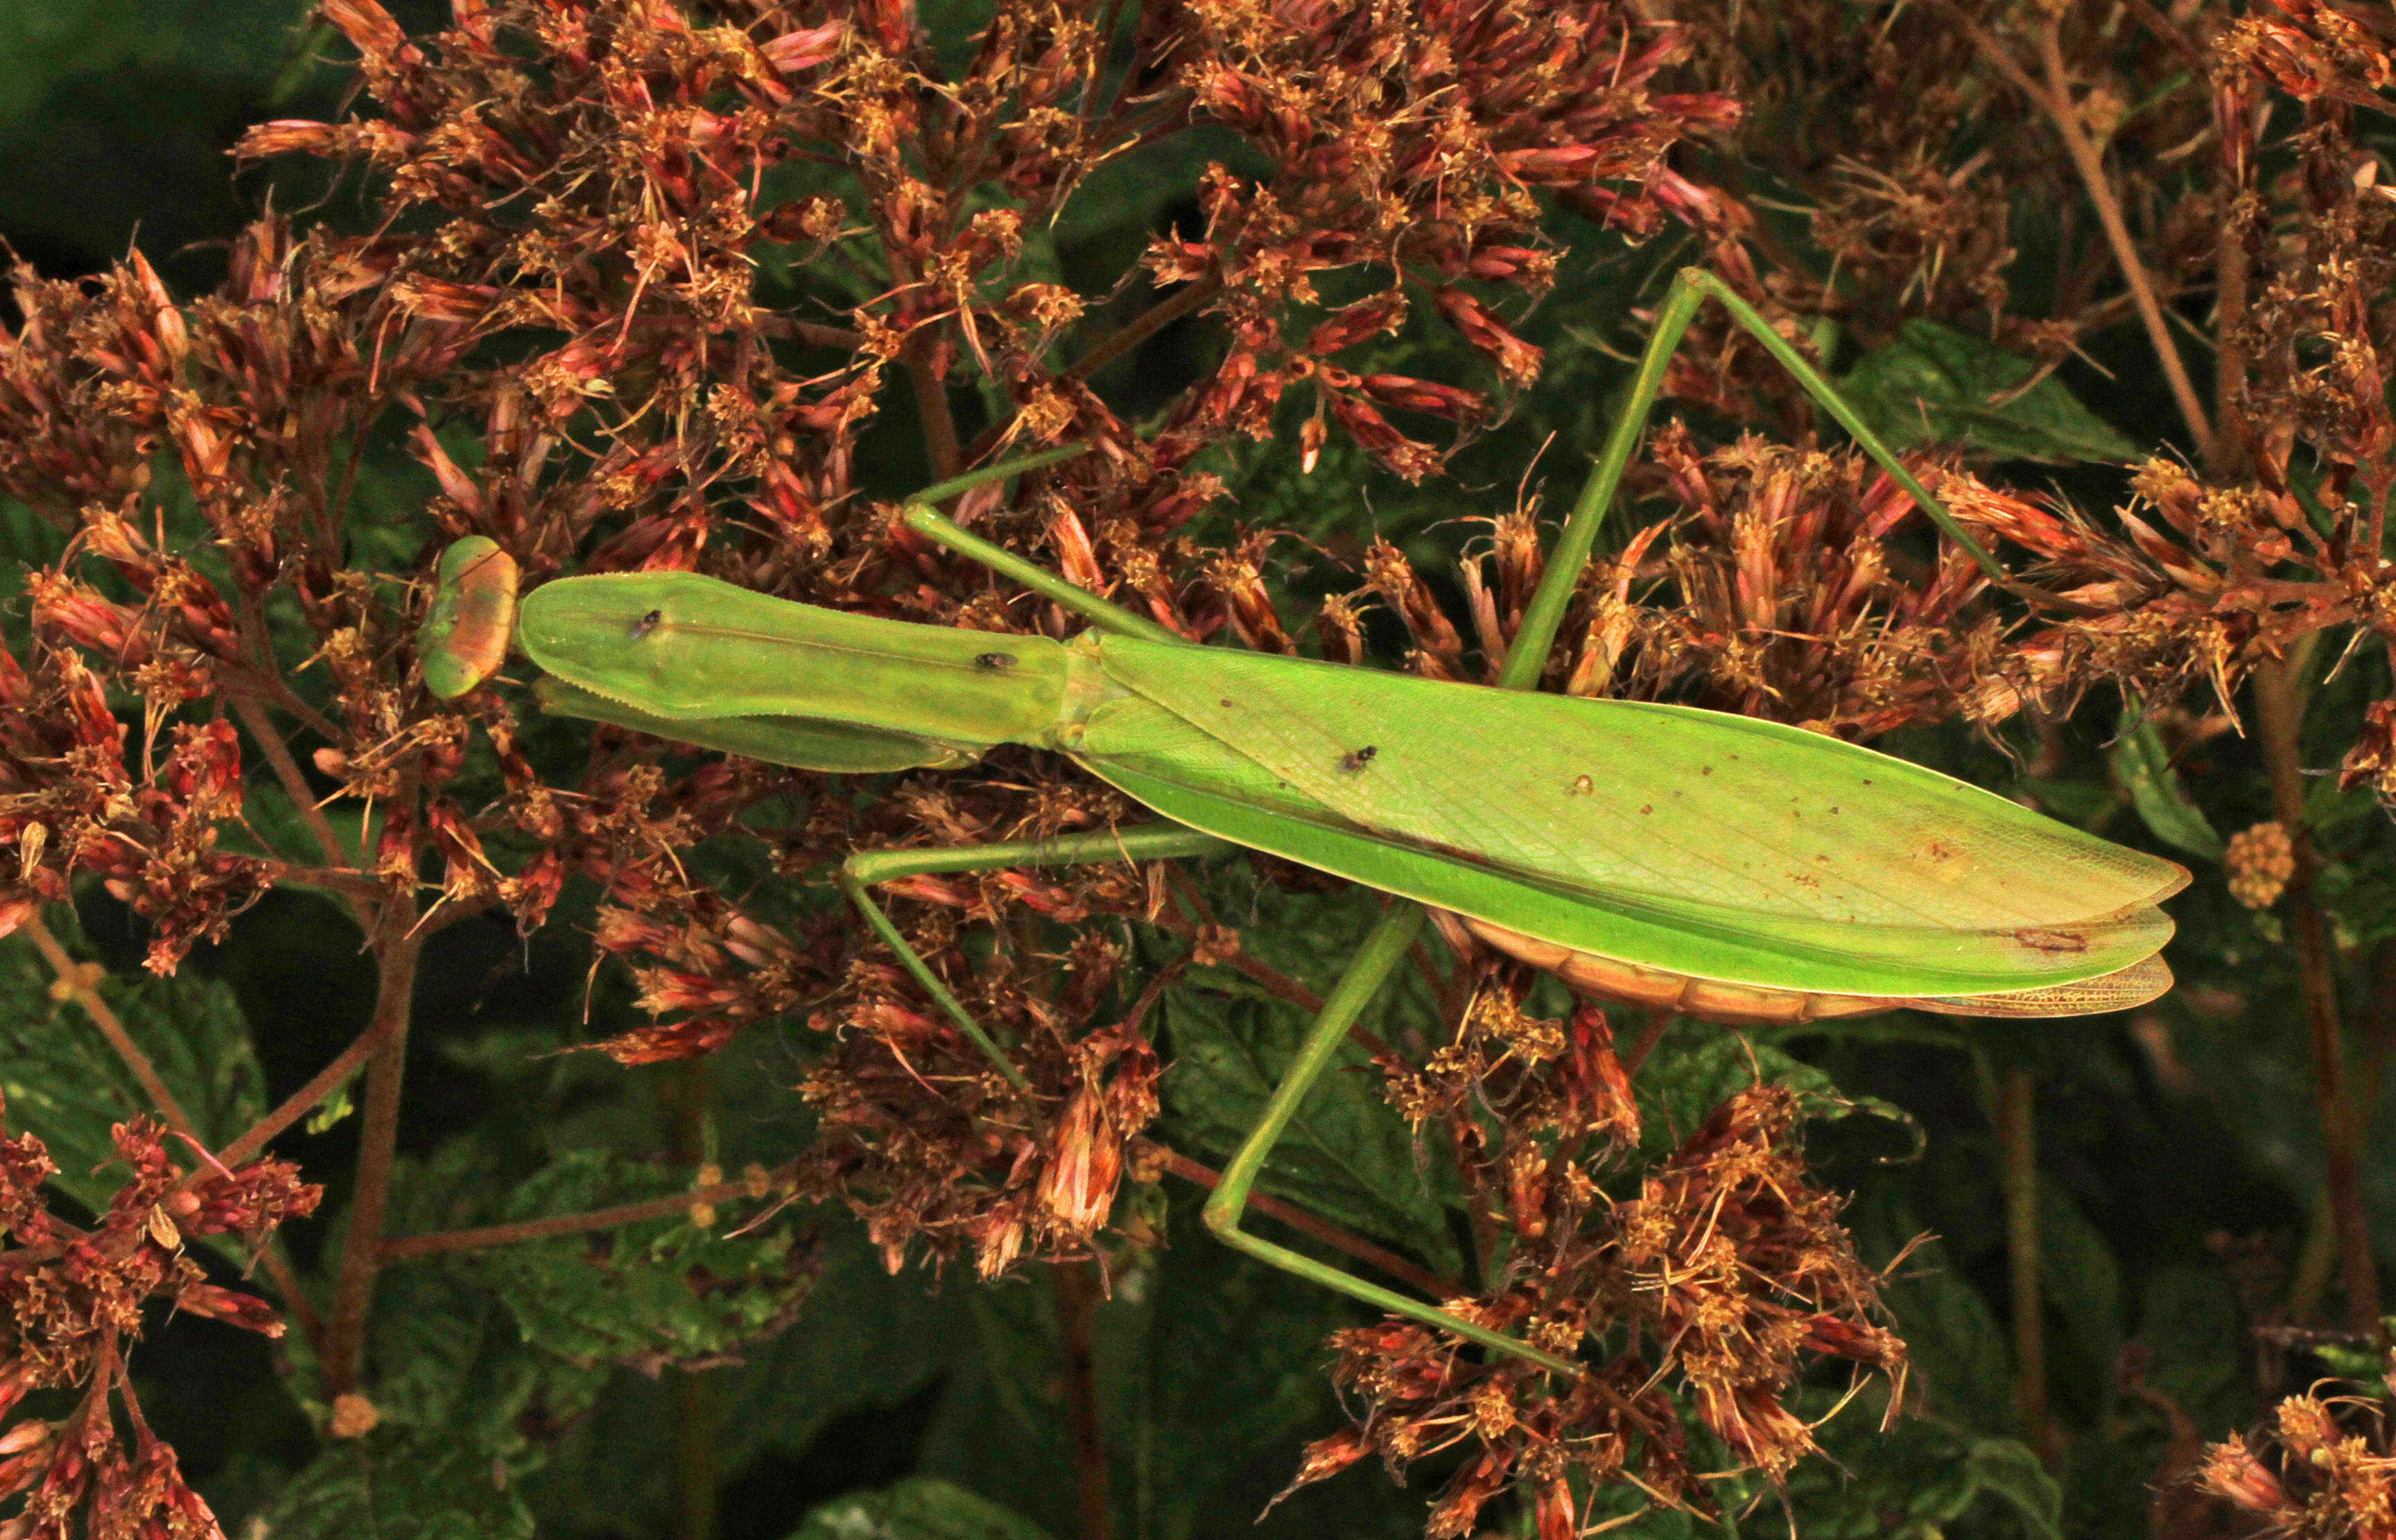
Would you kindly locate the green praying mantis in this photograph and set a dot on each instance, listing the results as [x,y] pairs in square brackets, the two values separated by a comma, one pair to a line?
[1672,858]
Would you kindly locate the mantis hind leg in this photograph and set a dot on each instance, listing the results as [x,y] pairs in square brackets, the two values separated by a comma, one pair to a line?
[1382,948]
[1527,658]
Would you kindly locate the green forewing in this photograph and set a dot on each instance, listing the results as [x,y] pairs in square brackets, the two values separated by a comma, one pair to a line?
[1692,840]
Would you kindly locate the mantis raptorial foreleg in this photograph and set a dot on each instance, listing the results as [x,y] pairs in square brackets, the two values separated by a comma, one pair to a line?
[862,870]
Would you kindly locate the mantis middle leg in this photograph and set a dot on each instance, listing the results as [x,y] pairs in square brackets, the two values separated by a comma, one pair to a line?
[1380,951]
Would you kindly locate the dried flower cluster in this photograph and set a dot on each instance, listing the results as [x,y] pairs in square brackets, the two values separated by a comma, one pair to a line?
[2321,1471]
[657,284]
[74,1302]
[1730,1261]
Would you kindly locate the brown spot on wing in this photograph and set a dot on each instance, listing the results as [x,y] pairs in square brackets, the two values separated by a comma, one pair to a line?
[2052,940]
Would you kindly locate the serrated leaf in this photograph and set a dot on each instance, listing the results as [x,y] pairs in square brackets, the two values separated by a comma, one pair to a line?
[451,1360]
[645,1293]
[865,1338]
[922,1508]
[2143,766]
[66,1086]
[2009,1471]
[1698,1067]
[395,1488]
[1347,1156]
[1209,1375]
[1910,1481]
[1937,385]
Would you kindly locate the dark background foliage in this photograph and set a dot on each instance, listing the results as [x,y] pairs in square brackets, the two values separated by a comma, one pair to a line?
[2178,1160]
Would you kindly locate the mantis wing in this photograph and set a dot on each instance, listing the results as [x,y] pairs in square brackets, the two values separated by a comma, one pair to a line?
[1693,842]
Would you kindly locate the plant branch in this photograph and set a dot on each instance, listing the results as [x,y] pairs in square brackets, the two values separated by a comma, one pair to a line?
[409,1247]
[303,797]
[2164,27]
[301,1102]
[1077,1301]
[2055,101]
[2059,106]
[1331,1235]
[1659,1023]
[932,406]
[378,1141]
[2279,713]
[2016,1120]
[1187,301]
[74,985]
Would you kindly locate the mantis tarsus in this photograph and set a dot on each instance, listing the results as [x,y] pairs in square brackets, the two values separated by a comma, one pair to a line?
[1719,866]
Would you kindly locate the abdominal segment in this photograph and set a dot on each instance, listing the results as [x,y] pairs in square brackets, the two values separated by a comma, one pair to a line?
[1632,984]
[1758,1005]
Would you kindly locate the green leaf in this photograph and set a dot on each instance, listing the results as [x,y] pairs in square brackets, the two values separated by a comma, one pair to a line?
[2143,766]
[395,1488]
[1957,1346]
[645,1293]
[66,1086]
[1912,1482]
[451,1360]
[866,1338]
[1697,1067]
[1935,385]
[1346,1156]
[2326,807]
[922,1508]
[2080,1277]
[2188,1321]
[1209,1378]
[2009,1470]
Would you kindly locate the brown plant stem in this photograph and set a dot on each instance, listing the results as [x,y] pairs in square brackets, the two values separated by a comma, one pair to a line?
[2017,1124]
[1275,982]
[2278,716]
[301,1102]
[303,798]
[2085,159]
[397,953]
[1077,1303]
[71,978]
[692,1402]
[691,1393]
[72,986]
[814,333]
[1659,1023]
[1338,1240]
[1191,297]
[2168,31]
[2055,101]
[408,1247]
[1187,301]
[932,406]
